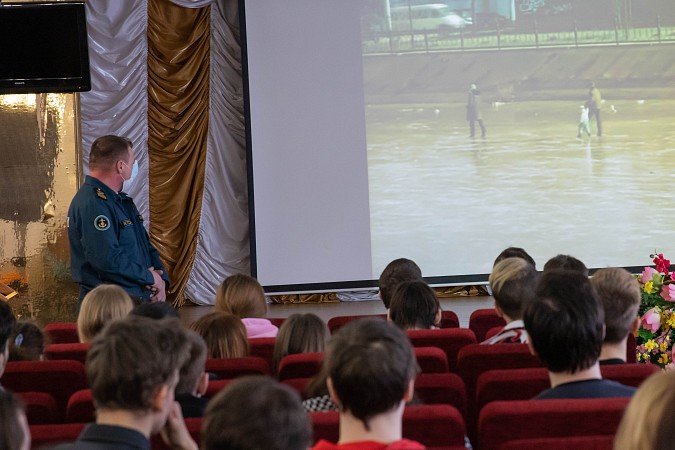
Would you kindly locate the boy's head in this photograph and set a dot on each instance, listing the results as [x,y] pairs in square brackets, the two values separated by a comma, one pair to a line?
[566,262]
[396,272]
[371,368]
[414,306]
[133,366]
[514,252]
[27,342]
[7,321]
[256,412]
[193,379]
[619,293]
[565,322]
[513,281]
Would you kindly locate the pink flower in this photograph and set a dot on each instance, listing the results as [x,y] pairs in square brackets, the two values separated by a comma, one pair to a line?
[668,292]
[648,274]
[651,320]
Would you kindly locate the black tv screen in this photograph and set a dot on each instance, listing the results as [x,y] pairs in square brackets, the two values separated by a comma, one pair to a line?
[43,48]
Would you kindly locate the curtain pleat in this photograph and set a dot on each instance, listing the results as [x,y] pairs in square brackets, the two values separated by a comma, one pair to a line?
[118,100]
[178,126]
[222,248]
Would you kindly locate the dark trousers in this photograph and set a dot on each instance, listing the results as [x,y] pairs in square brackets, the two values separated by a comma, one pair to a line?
[472,127]
[598,122]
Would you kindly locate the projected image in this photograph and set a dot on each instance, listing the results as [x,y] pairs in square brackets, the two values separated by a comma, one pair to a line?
[545,124]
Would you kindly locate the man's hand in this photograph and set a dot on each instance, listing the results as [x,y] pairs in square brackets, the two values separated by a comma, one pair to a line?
[158,288]
[175,434]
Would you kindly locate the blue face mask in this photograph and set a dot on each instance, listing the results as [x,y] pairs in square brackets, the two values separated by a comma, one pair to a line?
[134,172]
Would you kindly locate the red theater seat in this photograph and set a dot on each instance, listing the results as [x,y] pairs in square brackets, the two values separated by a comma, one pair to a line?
[449,319]
[263,348]
[276,321]
[216,386]
[51,435]
[335,323]
[492,331]
[300,365]
[450,340]
[482,320]
[501,422]
[441,388]
[81,407]
[226,368]
[74,351]
[40,408]
[299,384]
[62,332]
[563,443]
[431,359]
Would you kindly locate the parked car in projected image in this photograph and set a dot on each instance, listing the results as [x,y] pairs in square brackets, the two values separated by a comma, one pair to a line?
[432,17]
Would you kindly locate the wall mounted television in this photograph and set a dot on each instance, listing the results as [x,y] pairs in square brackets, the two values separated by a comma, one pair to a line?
[44,48]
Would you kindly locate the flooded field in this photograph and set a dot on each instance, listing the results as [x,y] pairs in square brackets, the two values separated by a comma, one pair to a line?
[452,203]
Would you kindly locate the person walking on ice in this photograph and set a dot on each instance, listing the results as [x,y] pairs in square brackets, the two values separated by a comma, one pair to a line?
[584,124]
[473,113]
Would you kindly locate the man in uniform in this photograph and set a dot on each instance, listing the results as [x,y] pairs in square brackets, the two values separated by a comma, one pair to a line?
[473,113]
[108,243]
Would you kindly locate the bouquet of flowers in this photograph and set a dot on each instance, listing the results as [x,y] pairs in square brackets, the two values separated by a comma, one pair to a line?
[657,314]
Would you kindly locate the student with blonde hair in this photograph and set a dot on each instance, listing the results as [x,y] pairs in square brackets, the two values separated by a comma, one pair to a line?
[300,333]
[648,423]
[102,305]
[243,296]
[224,334]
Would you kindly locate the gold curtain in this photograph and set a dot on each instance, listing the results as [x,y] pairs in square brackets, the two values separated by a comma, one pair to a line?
[178,113]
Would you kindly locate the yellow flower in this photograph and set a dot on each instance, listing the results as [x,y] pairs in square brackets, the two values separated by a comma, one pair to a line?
[663,346]
[650,345]
[649,287]
[663,359]
[671,320]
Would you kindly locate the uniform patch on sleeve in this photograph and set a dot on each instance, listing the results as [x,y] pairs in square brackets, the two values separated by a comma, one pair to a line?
[101,223]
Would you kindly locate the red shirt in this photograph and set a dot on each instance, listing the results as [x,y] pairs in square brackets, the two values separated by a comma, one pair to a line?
[403,444]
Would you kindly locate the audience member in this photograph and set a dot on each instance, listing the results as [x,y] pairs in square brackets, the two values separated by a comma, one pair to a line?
[132,368]
[515,252]
[414,306]
[27,342]
[256,412]
[300,333]
[155,310]
[14,432]
[648,422]
[101,305]
[566,262]
[371,376]
[7,321]
[513,281]
[224,334]
[397,271]
[316,393]
[565,322]
[619,293]
[243,296]
[193,379]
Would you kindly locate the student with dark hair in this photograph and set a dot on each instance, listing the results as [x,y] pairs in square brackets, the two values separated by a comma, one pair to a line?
[256,412]
[7,322]
[156,310]
[371,376]
[619,293]
[27,342]
[514,252]
[566,262]
[513,281]
[300,333]
[396,272]
[193,379]
[14,432]
[565,322]
[132,368]
[414,306]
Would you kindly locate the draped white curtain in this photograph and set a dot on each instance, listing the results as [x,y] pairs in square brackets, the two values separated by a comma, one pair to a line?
[118,104]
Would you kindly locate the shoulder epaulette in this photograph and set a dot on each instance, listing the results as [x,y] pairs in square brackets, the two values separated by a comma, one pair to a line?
[100,194]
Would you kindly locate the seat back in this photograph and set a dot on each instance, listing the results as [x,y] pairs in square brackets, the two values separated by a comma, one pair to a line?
[40,408]
[337,322]
[263,348]
[80,407]
[75,351]
[481,320]
[450,340]
[629,374]
[226,368]
[60,379]
[51,435]
[492,331]
[631,345]
[62,332]
[300,365]
[298,384]
[216,386]
[431,359]
[562,443]
[501,422]
[441,389]
[449,319]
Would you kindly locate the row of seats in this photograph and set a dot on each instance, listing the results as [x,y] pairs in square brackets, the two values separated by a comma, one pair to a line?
[552,424]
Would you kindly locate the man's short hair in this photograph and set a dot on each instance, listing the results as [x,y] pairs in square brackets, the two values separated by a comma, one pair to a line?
[132,358]
[619,293]
[566,262]
[370,365]
[514,252]
[107,150]
[414,305]
[565,321]
[513,281]
[193,368]
[7,322]
[256,412]
[155,310]
[396,272]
